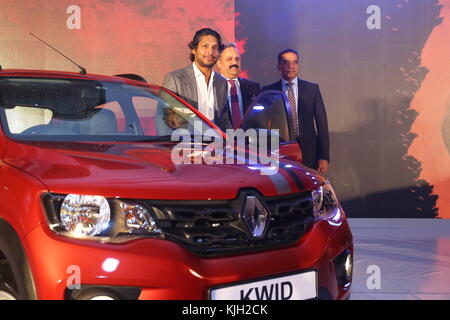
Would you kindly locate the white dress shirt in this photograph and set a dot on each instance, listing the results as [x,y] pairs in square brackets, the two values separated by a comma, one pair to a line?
[238,87]
[285,87]
[205,93]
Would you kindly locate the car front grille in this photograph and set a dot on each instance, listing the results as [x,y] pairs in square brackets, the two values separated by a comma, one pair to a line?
[217,227]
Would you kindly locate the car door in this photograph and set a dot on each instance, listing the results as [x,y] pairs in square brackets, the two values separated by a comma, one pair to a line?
[271,110]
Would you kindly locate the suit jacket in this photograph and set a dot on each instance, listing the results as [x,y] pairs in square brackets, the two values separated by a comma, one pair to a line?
[249,91]
[182,83]
[315,145]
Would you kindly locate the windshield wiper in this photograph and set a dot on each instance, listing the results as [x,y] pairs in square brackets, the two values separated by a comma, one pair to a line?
[194,138]
[156,139]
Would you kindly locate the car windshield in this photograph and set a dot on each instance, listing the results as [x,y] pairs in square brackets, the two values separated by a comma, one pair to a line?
[56,109]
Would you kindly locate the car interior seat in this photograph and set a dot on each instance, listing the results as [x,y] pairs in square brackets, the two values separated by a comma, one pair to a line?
[100,122]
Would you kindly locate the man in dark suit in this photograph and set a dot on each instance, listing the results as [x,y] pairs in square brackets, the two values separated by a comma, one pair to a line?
[197,83]
[307,111]
[241,92]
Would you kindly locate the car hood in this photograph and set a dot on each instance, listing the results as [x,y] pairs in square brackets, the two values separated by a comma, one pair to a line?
[145,170]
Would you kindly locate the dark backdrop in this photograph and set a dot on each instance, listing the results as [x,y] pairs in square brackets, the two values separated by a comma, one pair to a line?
[368,78]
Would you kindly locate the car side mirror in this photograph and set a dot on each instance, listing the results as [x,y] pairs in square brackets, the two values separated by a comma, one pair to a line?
[271,111]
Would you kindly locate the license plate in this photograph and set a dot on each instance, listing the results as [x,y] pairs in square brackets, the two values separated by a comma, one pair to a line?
[300,286]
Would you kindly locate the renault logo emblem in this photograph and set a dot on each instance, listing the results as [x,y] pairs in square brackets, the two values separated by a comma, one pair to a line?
[255,216]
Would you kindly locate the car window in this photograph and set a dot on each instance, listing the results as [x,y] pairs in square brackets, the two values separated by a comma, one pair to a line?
[146,109]
[88,110]
[119,116]
[21,118]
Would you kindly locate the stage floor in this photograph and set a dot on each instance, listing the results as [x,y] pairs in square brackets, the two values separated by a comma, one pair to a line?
[405,259]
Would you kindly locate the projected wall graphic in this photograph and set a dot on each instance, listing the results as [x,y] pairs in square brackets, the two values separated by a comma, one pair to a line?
[383,67]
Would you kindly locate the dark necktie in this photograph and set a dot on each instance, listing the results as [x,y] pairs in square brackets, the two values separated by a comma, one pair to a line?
[294,115]
[235,110]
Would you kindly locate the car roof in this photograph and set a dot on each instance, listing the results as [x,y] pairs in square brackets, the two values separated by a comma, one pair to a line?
[67,74]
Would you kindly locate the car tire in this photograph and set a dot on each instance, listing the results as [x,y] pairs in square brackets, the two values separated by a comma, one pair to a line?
[7,288]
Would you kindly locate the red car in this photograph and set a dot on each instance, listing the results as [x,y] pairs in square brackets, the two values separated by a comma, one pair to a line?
[93,207]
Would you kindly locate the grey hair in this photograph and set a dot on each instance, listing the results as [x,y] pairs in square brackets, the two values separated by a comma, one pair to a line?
[230,45]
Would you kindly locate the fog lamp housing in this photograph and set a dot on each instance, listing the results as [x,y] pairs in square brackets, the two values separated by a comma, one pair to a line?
[343,264]
[93,292]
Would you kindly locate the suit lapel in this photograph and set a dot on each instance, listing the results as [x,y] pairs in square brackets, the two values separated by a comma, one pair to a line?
[300,96]
[189,83]
[244,94]
[219,91]
[279,86]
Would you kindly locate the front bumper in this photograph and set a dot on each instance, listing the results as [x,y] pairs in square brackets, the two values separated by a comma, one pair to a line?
[164,270]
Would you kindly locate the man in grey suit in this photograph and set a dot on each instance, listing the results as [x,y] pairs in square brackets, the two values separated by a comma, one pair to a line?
[198,84]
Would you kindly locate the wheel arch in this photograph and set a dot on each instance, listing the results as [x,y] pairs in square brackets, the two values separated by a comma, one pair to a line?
[12,251]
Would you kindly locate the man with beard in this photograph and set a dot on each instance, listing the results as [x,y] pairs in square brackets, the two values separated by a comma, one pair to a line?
[241,92]
[197,83]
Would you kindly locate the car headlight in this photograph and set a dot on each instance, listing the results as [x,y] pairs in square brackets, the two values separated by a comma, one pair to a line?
[137,218]
[84,215]
[97,218]
[325,203]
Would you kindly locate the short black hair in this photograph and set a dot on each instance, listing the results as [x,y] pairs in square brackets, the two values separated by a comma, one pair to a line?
[199,34]
[287,51]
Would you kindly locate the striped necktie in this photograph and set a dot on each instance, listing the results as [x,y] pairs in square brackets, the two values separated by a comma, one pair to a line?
[294,115]
[235,109]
